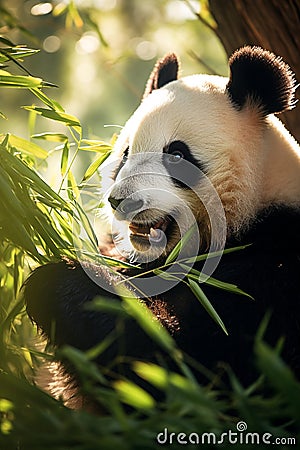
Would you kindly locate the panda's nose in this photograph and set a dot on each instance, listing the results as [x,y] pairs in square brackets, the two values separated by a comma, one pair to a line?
[126,205]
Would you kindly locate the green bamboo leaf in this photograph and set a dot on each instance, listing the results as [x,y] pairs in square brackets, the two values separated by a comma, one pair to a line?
[216,254]
[92,145]
[17,233]
[133,395]
[25,146]
[163,378]
[180,245]
[9,53]
[80,361]
[226,286]
[69,120]
[84,221]
[19,81]
[94,26]
[64,159]
[18,270]
[280,376]
[108,305]
[149,323]
[53,104]
[155,375]
[73,16]
[165,275]
[59,9]
[94,166]
[51,137]
[8,197]
[4,143]
[15,166]
[201,277]
[73,191]
[199,294]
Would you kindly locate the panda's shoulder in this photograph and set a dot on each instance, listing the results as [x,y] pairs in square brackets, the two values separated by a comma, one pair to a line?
[276,227]
[270,264]
[268,267]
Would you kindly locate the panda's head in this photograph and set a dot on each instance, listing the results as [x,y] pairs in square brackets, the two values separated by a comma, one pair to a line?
[197,138]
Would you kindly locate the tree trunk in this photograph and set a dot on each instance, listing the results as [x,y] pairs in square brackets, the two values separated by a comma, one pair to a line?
[271,24]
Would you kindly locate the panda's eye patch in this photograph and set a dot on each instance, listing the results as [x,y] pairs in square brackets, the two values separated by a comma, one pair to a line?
[184,169]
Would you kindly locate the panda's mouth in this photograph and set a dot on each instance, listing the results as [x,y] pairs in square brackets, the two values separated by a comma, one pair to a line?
[143,234]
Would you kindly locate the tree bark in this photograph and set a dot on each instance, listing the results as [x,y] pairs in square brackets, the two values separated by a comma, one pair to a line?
[271,24]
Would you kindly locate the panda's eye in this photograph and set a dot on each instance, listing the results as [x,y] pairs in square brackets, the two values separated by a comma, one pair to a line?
[176,151]
[175,156]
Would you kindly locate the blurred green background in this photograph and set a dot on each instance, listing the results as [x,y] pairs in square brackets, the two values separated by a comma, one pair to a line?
[101,59]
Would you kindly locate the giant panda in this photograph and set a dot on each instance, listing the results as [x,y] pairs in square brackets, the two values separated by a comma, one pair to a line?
[194,139]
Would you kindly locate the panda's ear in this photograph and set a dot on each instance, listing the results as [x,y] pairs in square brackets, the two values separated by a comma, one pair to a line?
[165,71]
[259,76]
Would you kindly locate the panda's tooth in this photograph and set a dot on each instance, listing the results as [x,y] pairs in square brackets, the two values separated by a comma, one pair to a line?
[156,234]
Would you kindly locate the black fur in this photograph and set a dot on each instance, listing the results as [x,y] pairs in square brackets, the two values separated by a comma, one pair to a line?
[261,77]
[185,172]
[268,270]
[165,71]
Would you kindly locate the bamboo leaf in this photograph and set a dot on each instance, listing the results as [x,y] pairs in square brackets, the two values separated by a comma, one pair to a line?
[25,146]
[149,323]
[198,276]
[216,254]
[64,159]
[53,104]
[6,54]
[180,245]
[59,9]
[15,166]
[108,305]
[226,286]
[133,395]
[20,81]
[95,146]
[69,120]
[51,137]
[199,294]
[94,166]
[87,227]
[73,191]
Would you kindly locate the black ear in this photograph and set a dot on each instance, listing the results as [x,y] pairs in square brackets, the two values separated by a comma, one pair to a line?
[261,77]
[165,71]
